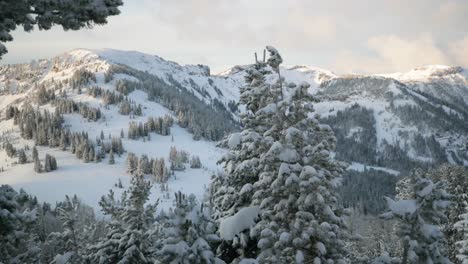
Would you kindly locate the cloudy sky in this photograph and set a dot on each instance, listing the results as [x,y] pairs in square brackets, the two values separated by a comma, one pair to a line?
[359,36]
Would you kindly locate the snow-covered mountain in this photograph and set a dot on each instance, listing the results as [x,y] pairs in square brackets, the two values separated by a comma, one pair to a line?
[85,77]
[394,121]
[389,122]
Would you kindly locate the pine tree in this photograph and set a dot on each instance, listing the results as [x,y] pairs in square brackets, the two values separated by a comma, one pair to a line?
[232,191]
[71,241]
[35,155]
[421,212]
[456,184]
[127,239]
[47,163]
[301,220]
[296,191]
[22,159]
[18,243]
[37,165]
[462,245]
[111,157]
[63,141]
[186,233]
[195,162]
[53,163]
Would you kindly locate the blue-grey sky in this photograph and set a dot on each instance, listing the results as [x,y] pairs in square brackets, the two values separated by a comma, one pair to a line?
[360,36]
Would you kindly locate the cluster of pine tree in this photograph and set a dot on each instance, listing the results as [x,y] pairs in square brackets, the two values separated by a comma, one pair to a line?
[202,120]
[43,96]
[159,125]
[121,87]
[178,159]
[140,166]
[128,107]
[66,106]
[50,163]
[364,191]
[44,128]
[81,78]
[9,149]
[108,97]
[134,233]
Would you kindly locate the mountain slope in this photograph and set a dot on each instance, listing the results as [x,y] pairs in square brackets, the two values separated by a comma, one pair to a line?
[390,123]
[72,76]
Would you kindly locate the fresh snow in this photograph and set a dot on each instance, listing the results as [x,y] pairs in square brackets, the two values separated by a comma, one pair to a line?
[242,220]
[402,207]
[361,167]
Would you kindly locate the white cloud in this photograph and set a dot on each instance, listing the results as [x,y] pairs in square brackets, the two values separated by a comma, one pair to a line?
[459,51]
[392,53]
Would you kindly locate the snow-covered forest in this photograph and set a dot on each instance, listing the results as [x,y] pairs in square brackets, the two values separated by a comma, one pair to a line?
[291,188]
[122,157]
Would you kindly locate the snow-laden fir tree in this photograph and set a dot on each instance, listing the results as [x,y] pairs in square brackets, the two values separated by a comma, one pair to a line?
[421,210]
[69,243]
[232,190]
[462,245]
[127,238]
[186,234]
[35,154]
[195,162]
[18,217]
[37,165]
[301,220]
[22,157]
[455,178]
[111,157]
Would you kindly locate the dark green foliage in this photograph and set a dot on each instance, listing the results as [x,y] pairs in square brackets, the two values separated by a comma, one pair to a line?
[18,244]
[365,191]
[66,106]
[159,125]
[108,97]
[361,145]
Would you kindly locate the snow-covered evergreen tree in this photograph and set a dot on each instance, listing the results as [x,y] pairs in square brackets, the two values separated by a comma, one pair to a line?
[186,233]
[421,211]
[195,162]
[462,245]
[127,238]
[455,178]
[70,243]
[35,154]
[232,190]
[301,220]
[281,164]
[111,157]
[37,165]
[18,216]
[22,157]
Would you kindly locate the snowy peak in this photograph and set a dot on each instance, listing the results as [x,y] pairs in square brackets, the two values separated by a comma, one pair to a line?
[429,72]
